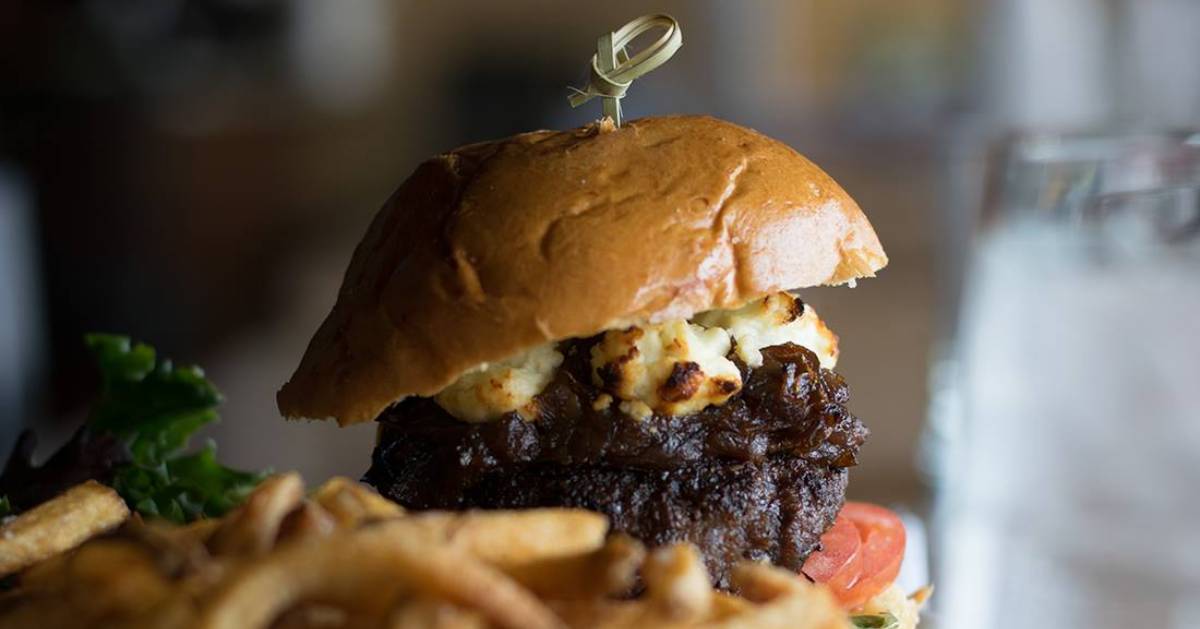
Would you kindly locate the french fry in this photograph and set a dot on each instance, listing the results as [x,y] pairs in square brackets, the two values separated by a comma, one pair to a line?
[608,571]
[424,613]
[513,538]
[356,568]
[43,612]
[197,532]
[783,600]
[317,615]
[346,557]
[59,525]
[177,549]
[252,528]
[115,577]
[307,521]
[725,605]
[103,579]
[50,574]
[352,503]
[677,584]
[604,613]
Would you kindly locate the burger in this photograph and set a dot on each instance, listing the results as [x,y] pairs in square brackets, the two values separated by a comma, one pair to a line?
[607,318]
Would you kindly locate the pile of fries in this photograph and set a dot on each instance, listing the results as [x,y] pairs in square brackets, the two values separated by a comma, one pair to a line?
[343,556]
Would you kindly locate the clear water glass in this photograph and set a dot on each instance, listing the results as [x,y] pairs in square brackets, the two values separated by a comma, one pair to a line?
[1066,422]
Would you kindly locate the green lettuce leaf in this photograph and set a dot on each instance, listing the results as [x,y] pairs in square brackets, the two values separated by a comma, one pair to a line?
[156,407]
[153,405]
[185,488]
[136,439]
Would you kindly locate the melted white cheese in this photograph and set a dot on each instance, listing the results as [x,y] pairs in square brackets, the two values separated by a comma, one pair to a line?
[493,389]
[674,368]
[775,320]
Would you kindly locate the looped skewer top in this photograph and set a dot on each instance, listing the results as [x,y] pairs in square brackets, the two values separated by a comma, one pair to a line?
[613,70]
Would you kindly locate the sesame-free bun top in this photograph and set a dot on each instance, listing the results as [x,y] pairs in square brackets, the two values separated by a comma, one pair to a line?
[497,247]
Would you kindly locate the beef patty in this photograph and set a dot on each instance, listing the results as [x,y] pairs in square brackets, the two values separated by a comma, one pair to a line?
[759,477]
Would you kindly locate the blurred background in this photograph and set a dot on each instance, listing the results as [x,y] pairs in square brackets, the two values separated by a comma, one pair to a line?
[195,173]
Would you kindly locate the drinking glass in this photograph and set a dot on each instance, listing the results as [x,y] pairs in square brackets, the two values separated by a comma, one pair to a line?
[1065,429]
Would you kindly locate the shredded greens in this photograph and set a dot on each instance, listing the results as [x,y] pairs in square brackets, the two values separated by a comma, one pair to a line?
[136,439]
[875,621]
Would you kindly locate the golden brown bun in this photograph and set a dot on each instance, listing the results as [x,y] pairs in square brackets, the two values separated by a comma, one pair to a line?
[496,247]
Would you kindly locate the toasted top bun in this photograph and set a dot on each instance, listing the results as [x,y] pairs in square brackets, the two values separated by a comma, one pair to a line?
[497,247]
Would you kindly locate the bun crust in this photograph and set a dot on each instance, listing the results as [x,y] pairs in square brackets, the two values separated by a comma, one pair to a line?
[496,247]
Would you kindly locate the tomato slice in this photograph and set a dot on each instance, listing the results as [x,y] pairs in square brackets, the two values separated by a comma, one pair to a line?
[839,562]
[860,554]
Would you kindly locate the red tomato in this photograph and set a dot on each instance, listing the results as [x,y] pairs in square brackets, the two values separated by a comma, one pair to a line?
[860,554]
[839,562]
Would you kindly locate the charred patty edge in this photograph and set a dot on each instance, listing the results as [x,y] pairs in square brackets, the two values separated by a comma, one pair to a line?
[774,510]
